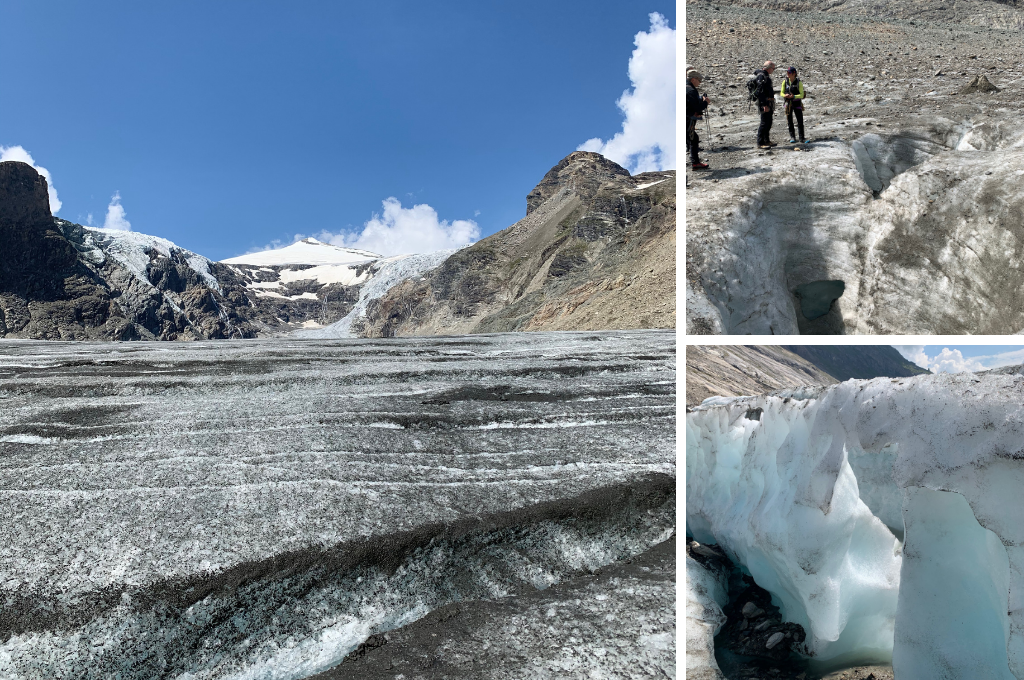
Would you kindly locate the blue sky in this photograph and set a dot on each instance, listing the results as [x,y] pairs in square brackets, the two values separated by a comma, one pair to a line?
[227,126]
[957,358]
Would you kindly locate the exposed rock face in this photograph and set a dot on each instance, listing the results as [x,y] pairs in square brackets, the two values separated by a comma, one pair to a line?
[63,281]
[596,250]
[45,292]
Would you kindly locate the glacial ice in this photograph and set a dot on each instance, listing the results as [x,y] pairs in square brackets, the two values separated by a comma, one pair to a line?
[256,508]
[918,223]
[389,273]
[706,594]
[811,489]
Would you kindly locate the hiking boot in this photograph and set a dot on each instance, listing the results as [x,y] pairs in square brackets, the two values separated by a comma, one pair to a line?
[700,166]
[764,146]
[793,141]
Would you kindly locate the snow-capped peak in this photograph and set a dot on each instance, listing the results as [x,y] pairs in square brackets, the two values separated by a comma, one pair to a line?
[306,251]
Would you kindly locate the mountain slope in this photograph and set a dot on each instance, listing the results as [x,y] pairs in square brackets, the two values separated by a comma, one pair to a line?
[46,291]
[596,250]
[1005,14]
[843,362]
[64,281]
[734,371]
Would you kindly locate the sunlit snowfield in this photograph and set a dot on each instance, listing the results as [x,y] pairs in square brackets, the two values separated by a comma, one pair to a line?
[257,508]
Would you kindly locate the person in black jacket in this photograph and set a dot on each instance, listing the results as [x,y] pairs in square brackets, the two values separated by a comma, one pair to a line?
[696,103]
[765,95]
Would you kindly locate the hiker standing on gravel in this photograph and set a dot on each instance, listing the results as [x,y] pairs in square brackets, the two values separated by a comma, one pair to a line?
[696,103]
[793,94]
[764,94]
[689,67]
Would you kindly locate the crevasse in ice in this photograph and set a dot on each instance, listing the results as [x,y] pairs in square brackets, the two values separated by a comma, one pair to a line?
[812,490]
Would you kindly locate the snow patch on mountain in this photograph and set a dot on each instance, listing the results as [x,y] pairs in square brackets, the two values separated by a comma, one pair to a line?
[306,251]
[132,249]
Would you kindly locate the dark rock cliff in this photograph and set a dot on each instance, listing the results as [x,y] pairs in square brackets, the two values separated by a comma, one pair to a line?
[62,281]
[45,291]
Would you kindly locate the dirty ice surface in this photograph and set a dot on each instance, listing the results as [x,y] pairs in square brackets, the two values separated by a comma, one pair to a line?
[255,509]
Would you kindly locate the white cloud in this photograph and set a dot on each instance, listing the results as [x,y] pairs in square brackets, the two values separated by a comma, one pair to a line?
[115,215]
[648,137]
[400,231]
[953,360]
[1011,358]
[18,153]
[914,353]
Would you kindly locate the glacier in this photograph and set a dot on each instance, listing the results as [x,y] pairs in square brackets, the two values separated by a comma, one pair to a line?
[257,509]
[884,516]
[388,273]
[707,591]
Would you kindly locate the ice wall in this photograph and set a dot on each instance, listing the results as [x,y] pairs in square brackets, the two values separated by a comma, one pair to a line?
[800,487]
[768,480]
[706,594]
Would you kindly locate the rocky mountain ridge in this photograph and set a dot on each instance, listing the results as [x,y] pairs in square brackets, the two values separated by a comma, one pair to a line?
[62,281]
[743,370]
[596,250]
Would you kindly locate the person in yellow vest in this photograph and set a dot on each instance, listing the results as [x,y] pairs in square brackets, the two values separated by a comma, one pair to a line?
[793,95]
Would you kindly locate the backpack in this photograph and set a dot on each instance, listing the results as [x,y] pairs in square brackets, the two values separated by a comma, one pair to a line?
[752,87]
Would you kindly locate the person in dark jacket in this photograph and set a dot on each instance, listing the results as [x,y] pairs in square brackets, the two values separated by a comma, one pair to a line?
[689,67]
[793,94]
[696,104]
[765,95]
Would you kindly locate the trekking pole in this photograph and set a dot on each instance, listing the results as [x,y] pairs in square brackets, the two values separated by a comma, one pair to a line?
[711,142]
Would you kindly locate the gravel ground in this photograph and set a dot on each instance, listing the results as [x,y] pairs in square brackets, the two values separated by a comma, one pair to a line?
[861,75]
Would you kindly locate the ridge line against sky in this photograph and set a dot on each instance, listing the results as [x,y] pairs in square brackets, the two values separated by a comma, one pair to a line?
[960,358]
[464,166]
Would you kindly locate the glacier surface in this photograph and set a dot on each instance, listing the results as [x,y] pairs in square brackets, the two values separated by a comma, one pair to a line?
[256,509]
[815,490]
